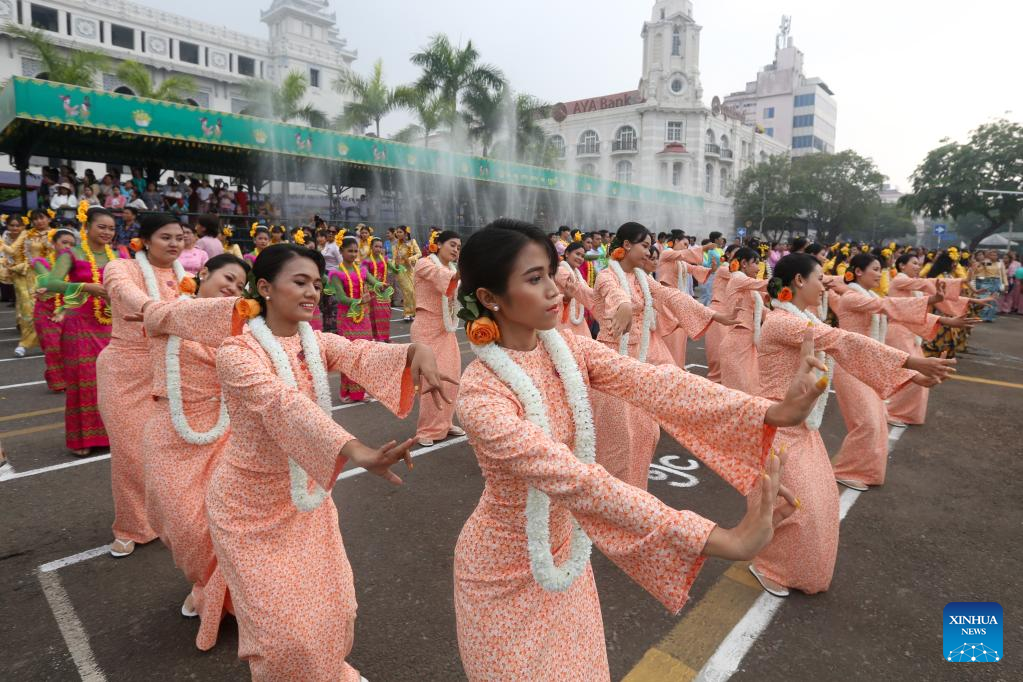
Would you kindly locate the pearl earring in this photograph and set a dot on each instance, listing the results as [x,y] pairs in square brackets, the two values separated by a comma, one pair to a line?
[495,307]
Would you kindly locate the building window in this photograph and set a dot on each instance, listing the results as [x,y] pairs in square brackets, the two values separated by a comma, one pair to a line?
[769,132]
[307,30]
[768,112]
[745,149]
[314,78]
[676,131]
[557,144]
[625,139]
[122,36]
[676,42]
[820,144]
[246,66]
[805,100]
[711,138]
[802,121]
[724,142]
[676,174]
[589,143]
[802,142]
[623,171]
[45,18]
[589,169]
[188,52]
[723,188]
[708,179]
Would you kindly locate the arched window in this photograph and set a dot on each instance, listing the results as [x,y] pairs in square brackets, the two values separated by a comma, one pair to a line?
[724,142]
[711,138]
[623,171]
[557,143]
[589,143]
[725,182]
[676,174]
[125,90]
[625,139]
[589,169]
[676,42]
[708,179]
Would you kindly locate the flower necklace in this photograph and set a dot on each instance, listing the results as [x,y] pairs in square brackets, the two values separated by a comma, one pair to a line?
[683,276]
[100,308]
[576,312]
[26,247]
[758,316]
[649,314]
[303,499]
[813,421]
[547,574]
[916,294]
[379,269]
[878,321]
[359,316]
[449,307]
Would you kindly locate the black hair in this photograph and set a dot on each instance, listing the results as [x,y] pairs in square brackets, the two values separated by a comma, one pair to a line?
[134,210]
[489,254]
[786,269]
[152,222]
[261,228]
[278,229]
[861,261]
[564,228]
[272,259]
[902,260]
[349,241]
[633,233]
[188,226]
[799,244]
[445,236]
[97,211]
[745,253]
[714,236]
[210,223]
[729,249]
[942,264]
[573,246]
[375,240]
[225,259]
[814,248]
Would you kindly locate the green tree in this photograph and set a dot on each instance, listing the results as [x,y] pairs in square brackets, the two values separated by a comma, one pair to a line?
[429,111]
[373,98]
[835,193]
[137,77]
[483,116]
[887,222]
[762,196]
[951,177]
[282,102]
[75,67]
[454,74]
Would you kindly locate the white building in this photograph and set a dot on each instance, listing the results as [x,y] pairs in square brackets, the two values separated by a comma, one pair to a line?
[663,135]
[798,111]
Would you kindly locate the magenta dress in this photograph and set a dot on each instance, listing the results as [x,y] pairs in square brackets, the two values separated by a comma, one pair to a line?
[350,287]
[49,332]
[379,312]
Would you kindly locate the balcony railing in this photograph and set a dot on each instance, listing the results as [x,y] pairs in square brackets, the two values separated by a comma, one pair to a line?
[623,146]
[588,149]
[712,149]
[726,154]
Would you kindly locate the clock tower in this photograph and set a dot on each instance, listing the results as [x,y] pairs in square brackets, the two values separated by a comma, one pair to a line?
[671,55]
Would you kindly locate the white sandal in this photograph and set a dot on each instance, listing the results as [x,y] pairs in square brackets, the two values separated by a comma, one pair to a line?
[852,485]
[783,592]
[456,431]
[120,548]
[188,611]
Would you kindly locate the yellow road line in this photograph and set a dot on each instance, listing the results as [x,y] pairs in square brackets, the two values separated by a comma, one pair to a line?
[990,382]
[26,415]
[31,429]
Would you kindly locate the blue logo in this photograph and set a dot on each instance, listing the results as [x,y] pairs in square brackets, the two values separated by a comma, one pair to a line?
[972,632]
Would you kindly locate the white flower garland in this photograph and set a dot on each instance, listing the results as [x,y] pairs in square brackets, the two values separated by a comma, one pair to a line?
[916,294]
[683,276]
[449,307]
[878,321]
[301,497]
[576,312]
[758,316]
[816,416]
[149,276]
[547,574]
[649,314]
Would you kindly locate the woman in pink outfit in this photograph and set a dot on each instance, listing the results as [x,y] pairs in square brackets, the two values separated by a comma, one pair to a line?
[628,305]
[377,267]
[738,349]
[578,296]
[716,332]
[909,406]
[802,553]
[124,371]
[273,523]
[188,429]
[192,258]
[435,279]
[525,600]
[48,326]
[679,268]
[863,458]
[352,289]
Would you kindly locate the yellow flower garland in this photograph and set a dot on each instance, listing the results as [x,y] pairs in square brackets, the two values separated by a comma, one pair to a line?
[99,309]
[351,289]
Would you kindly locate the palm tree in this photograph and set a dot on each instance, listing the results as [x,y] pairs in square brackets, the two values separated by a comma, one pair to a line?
[429,111]
[137,77]
[77,67]
[454,74]
[282,102]
[373,99]
[530,140]
[483,116]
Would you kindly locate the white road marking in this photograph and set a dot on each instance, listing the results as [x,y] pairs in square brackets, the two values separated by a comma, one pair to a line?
[15,338]
[729,654]
[27,357]
[401,336]
[895,434]
[55,467]
[70,626]
[28,383]
[695,365]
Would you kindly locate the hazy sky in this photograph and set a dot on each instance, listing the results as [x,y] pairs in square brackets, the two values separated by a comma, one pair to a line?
[906,73]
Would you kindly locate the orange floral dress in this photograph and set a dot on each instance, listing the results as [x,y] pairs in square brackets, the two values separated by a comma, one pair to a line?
[627,437]
[737,352]
[509,628]
[712,342]
[289,577]
[864,453]
[124,382]
[668,267]
[431,283]
[177,473]
[574,288]
[802,553]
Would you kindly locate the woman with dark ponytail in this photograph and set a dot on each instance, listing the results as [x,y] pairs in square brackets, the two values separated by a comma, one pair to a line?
[745,294]
[863,458]
[716,332]
[802,554]
[681,267]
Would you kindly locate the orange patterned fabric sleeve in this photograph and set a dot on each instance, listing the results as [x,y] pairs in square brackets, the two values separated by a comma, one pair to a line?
[692,316]
[380,368]
[203,320]
[120,284]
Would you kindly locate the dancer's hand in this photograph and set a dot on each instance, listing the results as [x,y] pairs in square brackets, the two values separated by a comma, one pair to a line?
[961,322]
[621,321]
[804,389]
[926,382]
[726,320]
[934,368]
[423,367]
[380,460]
[939,293]
[756,528]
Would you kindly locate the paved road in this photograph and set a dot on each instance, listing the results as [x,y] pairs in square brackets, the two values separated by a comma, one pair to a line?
[947,503]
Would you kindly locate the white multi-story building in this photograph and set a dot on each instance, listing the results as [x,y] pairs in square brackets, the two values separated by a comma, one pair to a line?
[663,135]
[798,111]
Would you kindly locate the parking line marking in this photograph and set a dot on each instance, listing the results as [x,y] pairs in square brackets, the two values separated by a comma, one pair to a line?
[32,429]
[979,380]
[35,413]
[27,383]
[70,627]
[27,357]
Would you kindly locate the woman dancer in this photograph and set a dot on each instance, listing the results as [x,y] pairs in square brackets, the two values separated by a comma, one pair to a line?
[85,329]
[738,349]
[30,243]
[225,234]
[718,293]
[525,599]
[48,324]
[277,234]
[680,268]
[124,370]
[404,257]
[578,296]
[380,303]
[351,284]
[365,234]
[188,428]
[276,539]
[802,553]
[863,458]
[260,240]
[436,277]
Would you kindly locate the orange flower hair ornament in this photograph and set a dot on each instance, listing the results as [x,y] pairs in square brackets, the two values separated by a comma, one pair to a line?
[433,248]
[136,244]
[188,286]
[252,229]
[340,238]
[785,295]
[618,254]
[849,276]
[733,266]
[482,330]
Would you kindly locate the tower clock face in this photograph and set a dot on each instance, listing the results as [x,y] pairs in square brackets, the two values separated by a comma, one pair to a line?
[677,84]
